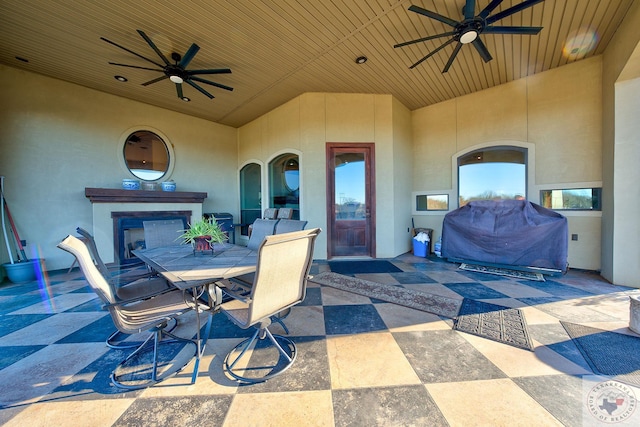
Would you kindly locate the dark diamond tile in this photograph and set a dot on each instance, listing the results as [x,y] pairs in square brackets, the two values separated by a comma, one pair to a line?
[444,356]
[352,319]
[19,301]
[177,411]
[555,337]
[313,297]
[89,306]
[308,372]
[222,327]
[411,278]
[94,332]
[397,406]
[474,290]
[11,354]
[558,289]
[561,395]
[13,322]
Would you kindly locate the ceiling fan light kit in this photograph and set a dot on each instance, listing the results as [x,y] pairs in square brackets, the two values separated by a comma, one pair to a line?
[468,30]
[177,72]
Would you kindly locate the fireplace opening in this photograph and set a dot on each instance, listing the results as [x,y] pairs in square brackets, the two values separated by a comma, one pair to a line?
[128,231]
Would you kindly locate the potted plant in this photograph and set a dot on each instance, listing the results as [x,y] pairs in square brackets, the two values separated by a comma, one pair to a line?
[203,234]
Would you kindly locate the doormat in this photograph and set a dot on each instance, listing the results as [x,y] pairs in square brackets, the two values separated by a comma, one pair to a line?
[363,267]
[494,322]
[516,274]
[436,304]
[607,353]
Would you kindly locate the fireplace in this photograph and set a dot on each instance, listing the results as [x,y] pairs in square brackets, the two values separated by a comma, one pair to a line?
[128,231]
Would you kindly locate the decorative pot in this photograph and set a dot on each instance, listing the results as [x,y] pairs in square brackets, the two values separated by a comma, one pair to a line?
[202,244]
[22,272]
[130,184]
[168,186]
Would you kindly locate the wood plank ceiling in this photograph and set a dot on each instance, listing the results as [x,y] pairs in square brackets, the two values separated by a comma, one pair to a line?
[280,49]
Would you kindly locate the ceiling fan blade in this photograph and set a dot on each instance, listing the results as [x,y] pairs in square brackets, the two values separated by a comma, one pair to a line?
[517,8]
[188,56]
[204,92]
[433,15]
[452,57]
[212,71]
[512,30]
[469,9]
[221,86]
[487,10]
[433,52]
[450,33]
[134,66]
[131,52]
[153,46]
[482,50]
[150,82]
[179,90]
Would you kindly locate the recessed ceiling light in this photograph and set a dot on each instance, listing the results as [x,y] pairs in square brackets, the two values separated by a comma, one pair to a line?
[121,78]
[186,99]
[361,59]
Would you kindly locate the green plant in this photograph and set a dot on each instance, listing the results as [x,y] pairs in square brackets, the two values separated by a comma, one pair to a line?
[208,228]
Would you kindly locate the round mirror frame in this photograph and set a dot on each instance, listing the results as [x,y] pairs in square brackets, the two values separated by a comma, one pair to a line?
[124,162]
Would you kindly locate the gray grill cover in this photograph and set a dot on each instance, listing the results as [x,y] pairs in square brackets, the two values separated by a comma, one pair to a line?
[506,232]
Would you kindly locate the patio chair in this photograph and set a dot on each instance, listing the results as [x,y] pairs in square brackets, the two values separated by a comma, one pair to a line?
[261,229]
[285,213]
[280,283]
[289,225]
[270,213]
[162,233]
[126,286]
[152,314]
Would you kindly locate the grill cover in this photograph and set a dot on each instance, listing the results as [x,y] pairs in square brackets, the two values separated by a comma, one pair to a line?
[506,232]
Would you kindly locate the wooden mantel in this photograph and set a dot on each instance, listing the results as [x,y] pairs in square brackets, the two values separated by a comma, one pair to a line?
[116,195]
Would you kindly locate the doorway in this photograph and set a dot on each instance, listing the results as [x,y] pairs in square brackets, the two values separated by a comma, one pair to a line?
[350,199]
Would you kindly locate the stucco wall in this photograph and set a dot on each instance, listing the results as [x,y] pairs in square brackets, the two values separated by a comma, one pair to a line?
[57,138]
[307,123]
[558,113]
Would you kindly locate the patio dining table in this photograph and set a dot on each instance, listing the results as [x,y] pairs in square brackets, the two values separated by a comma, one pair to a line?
[196,273]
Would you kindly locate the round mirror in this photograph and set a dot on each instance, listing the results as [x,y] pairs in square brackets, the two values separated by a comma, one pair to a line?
[146,155]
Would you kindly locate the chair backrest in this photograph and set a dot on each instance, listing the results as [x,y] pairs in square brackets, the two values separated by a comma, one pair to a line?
[259,229]
[162,233]
[289,225]
[281,274]
[285,213]
[97,281]
[270,213]
[93,249]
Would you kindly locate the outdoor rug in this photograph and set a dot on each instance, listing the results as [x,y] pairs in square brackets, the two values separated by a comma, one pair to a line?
[517,274]
[494,322]
[363,267]
[608,353]
[436,304]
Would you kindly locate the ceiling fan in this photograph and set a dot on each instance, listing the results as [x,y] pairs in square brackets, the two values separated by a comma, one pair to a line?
[176,71]
[469,29]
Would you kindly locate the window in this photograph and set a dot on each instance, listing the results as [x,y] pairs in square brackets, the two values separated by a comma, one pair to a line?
[432,202]
[572,199]
[494,173]
[284,183]
[250,195]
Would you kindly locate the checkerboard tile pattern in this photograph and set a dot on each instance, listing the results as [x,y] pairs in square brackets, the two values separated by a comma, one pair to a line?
[361,362]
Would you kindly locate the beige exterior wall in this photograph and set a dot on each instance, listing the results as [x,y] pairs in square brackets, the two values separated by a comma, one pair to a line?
[311,120]
[57,138]
[556,114]
[620,156]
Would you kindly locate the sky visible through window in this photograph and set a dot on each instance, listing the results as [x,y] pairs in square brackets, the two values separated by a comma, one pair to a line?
[493,179]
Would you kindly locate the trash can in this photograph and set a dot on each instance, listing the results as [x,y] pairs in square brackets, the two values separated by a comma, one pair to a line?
[225,220]
[419,248]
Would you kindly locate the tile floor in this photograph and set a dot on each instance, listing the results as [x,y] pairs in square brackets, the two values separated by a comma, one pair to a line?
[360,362]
